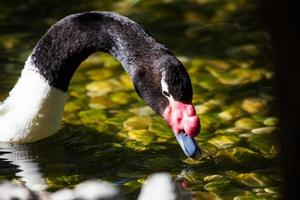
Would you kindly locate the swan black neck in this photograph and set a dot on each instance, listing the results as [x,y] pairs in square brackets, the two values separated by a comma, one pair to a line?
[71,40]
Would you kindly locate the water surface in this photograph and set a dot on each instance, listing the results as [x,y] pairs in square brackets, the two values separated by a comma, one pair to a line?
[109,133]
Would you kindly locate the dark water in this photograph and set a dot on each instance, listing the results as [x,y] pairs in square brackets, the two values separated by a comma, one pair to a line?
[112,135]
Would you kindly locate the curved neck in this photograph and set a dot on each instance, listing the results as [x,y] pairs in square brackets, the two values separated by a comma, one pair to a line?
[71,40]
[35,105]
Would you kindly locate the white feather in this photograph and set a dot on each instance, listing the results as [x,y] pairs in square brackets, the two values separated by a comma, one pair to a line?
[33,110]
[165,86]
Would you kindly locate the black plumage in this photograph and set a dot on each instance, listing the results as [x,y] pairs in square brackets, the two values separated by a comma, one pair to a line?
[71,40]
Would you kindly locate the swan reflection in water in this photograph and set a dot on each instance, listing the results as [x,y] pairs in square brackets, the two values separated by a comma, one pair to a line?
[24,162]
[76,150]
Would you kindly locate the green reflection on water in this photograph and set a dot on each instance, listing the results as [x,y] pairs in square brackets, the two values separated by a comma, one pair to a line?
[224,50]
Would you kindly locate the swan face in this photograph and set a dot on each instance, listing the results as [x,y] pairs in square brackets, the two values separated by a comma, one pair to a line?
[180,113]
[169,93]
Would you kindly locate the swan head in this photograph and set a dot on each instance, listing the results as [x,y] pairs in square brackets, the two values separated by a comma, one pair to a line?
[168,91]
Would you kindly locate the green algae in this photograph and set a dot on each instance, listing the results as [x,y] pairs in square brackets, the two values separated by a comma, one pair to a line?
[109,133]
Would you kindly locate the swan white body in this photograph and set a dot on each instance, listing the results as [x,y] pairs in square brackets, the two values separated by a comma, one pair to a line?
[22,114]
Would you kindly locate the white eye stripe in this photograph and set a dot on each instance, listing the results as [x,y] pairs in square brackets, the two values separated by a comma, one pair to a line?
[165,87]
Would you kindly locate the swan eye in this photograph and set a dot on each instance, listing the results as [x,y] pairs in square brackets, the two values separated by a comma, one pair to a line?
[166,94]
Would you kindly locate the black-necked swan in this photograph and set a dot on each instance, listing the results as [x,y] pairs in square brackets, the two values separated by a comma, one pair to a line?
[34,108]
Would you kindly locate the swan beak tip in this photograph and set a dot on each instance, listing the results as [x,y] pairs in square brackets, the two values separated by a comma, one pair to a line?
[188,145]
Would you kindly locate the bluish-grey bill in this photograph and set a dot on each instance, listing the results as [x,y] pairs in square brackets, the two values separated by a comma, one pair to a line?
[188,145]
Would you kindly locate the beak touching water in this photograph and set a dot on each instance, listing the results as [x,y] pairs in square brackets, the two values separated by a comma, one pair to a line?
[188,145]
[185,124]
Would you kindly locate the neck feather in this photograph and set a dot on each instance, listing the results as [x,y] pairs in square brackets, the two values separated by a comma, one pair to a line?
[33,110]
[70,41]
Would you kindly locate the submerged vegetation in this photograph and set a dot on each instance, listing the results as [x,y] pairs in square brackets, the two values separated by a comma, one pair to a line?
[109,133]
